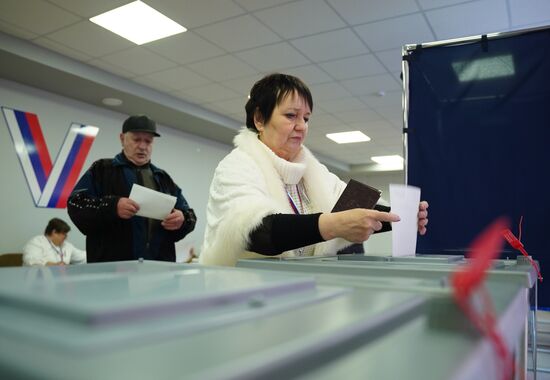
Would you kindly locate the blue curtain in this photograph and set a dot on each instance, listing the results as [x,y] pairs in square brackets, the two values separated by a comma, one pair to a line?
[479,141]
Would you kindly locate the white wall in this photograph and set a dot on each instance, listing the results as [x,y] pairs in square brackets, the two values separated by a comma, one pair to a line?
[189,159]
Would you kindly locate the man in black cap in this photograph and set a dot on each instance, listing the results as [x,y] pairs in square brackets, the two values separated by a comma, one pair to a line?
[99,205]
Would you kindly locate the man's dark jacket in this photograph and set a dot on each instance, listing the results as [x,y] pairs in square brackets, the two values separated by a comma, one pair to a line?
[92,206]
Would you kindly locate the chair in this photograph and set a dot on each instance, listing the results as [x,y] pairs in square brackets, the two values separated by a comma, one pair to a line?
[11,260]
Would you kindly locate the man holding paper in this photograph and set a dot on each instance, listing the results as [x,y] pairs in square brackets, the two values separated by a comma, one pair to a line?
[127,207]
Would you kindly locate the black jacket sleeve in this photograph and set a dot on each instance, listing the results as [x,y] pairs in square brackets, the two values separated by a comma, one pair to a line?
[89,210]
[281,232]
[386,226]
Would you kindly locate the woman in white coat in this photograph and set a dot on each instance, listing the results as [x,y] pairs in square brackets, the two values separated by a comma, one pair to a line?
[271,196]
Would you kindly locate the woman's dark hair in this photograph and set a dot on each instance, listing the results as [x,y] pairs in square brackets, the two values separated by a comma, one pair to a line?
[270,91]
[58,226]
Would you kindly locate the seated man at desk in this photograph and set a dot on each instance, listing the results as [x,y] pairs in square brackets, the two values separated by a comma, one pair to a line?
[51,248]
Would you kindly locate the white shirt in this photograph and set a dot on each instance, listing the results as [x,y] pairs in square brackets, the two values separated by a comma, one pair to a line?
[40,250]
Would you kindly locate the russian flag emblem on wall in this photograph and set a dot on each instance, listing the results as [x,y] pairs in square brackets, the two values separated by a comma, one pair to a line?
[50,185]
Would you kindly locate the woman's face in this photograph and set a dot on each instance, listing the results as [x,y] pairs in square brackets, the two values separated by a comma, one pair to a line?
[286,130]
[57,238]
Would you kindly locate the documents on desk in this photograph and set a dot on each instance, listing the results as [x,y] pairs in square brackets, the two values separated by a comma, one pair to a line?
[152,204]
[404,202]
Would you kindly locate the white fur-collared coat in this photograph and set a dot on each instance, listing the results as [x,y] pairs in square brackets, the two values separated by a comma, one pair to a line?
[249,184]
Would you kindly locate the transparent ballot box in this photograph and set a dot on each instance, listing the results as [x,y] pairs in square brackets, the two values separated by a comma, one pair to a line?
[165,321]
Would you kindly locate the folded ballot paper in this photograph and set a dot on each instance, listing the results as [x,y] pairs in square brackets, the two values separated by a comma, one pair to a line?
[152,204]
[357,195]
[404,202]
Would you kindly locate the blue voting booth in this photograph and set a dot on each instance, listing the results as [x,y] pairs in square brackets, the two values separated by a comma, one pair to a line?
[477,126]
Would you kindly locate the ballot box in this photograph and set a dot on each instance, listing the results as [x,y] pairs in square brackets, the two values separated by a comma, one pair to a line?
[428,267]
[144,320]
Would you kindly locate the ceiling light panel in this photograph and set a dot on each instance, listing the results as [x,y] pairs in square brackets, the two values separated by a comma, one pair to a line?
[348,137]
[138,23]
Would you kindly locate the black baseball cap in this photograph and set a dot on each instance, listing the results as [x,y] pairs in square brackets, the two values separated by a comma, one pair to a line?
[140,123]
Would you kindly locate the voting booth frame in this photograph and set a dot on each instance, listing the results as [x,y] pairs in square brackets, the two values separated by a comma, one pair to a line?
[476,113]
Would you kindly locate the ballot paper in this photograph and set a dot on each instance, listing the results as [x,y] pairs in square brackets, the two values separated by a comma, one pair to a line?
[404,202]
[152,204]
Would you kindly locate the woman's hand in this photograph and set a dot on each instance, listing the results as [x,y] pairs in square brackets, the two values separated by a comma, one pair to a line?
[422,217]
[355,225]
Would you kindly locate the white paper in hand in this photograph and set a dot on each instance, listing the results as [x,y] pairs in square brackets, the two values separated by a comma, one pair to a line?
[404,202]
[152,204]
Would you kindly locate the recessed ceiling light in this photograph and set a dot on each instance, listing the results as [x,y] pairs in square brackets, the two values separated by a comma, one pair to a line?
[138,23]
[348,137]
[393,162]
[112,102]
[484,68]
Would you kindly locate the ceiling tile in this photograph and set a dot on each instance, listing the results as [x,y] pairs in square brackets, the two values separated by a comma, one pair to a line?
[177,78]
[210,93]
[340,104]
[30,14]
[273,57]
[371,85]
[345,67]
[384,99]
[327,91]
[322,120]
[139,61]
[353,67]
[429,4]
[533,12]
[16,31]
[194,13]
[391,59]
[222,68]
[239,33]
[291,20]
[310,74]
[360,11]
[99,41]
[391,113]
[358,116]
[396,32]
[392,141]
[61,49]
[331,45]
[87,8]
[449,22]
[242,84]
[254,5]
[377,128]
[185,48]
